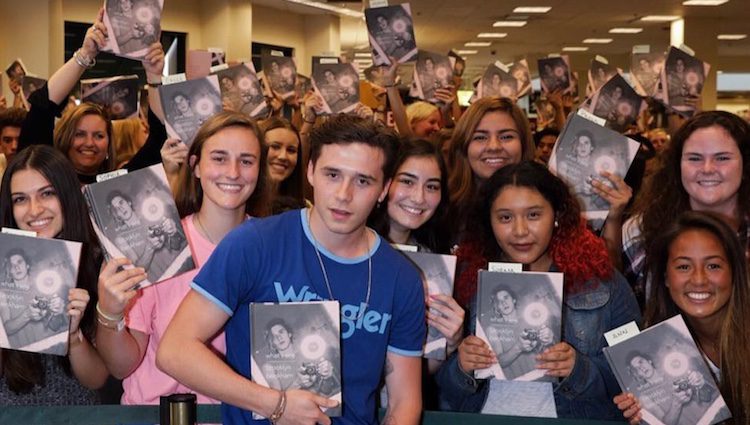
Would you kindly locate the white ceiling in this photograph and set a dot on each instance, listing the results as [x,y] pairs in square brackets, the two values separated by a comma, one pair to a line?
[442,25]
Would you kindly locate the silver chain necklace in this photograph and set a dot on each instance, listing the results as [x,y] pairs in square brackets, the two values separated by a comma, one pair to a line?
[325,274]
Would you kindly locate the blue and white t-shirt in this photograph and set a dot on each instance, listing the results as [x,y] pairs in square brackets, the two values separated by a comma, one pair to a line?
[274,260]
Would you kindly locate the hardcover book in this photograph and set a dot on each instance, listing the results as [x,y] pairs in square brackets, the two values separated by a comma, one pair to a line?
[599,73]
[37,274]
[188,104]
[554,74]
[132,26]
[30,84]
[297,345]
[432,71]
[280,73]
[520,71]
[117,95]
[683,77]
[646,69]
[664,369]
[497,82]
[134,216]
[241,90]
[338,86]
[16,70]
[618,103]
[391,33]
[438,273]
[583,150]
[519,315]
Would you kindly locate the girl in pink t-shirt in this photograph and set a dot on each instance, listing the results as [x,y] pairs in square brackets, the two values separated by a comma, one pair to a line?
[220,184]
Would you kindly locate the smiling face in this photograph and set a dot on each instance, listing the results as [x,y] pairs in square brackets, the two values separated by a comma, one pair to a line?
[711,170]
[283,148]
[427,126]
[523,222]
[414,193]
[36,206]
[699,275]
[495,143]
[228,168]
[88,149]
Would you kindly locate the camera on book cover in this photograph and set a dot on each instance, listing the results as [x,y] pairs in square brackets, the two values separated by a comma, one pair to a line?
[682,384]
[310,369]
[530,334]
[41,304]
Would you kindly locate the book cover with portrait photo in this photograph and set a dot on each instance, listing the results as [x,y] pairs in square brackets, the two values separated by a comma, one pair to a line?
[599,73]
[30,84]
[618,103]
[583,150]
[497,81]
[438,272]
[646,69]
[241,90]
[280,75]
[297,345]
[188,104]
[36,275]
[135,216]
[391,33]
[664,369]
[432,71]
[117,95]
[16,70]
[338,86]
[132,26]
[519,315]
[683,77]
[554,74]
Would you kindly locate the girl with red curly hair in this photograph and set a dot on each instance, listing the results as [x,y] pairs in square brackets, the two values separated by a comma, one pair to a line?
[527,215]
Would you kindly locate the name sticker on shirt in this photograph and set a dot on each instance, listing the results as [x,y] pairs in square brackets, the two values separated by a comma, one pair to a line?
[624,332]
[505,267]
[18,232]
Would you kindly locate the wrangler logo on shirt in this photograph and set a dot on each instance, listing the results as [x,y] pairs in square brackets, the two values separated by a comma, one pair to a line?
[372,321]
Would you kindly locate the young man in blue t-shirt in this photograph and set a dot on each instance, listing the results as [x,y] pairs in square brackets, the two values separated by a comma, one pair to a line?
[322,253]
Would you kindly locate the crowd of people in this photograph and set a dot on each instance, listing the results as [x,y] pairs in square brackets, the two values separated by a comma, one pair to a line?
[306,207]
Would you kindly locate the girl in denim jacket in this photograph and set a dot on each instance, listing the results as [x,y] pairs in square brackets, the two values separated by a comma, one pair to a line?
[527,215]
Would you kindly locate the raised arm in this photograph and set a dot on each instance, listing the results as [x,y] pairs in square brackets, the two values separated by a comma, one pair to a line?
[394,99]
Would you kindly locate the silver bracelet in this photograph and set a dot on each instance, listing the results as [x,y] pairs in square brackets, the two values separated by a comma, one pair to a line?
[83,61]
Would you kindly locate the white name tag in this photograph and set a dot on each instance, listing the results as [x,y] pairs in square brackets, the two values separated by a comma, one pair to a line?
[111,175]
[18,232]
[505,267]
[591,117]
[378,3]
[622,333]
[171,79]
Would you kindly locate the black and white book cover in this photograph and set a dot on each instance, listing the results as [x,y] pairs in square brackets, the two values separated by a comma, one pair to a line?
[497,82]
[188,104]
[241,90]
[519,315]
[646,69]
[30,84]
[375,74]
[520,71]
[16,70]
[554,74]
[117,95]
[438,273]
[297,345]
[664,369]
[431,72]
[338,86]
[599,73]
[280,73]
[132,26]
[683,77]
[35,279]
[618,103]
[218,56]
[583,150]
[459,64]
[391,33]
[134,216]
